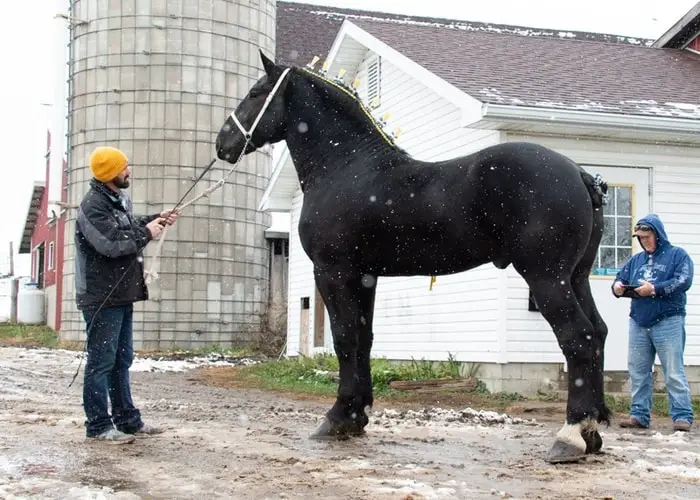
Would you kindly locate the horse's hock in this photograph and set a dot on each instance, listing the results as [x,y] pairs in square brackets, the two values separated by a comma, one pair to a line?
[153,78]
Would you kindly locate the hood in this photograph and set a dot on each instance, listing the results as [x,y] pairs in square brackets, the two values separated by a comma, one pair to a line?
[654,221]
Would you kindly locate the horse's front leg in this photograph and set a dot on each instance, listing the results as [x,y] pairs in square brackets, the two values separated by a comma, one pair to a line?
[346,299]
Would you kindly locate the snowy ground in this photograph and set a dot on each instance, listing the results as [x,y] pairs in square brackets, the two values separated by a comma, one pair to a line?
[226,443]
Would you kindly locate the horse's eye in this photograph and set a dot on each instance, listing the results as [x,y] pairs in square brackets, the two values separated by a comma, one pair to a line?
[256,93]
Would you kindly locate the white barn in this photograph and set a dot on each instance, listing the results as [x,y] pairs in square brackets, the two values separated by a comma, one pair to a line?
[624,110]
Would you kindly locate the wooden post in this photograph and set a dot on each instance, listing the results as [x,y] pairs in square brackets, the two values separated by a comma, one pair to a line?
[12,260]
[14,292]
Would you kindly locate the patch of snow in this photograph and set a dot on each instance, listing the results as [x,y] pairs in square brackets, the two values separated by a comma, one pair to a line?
[494,94]
[477,27]
[431,417]
[166,365]
[35,487]
[638,107]
[412,487]
[140,363]
[674,470]
[677,437]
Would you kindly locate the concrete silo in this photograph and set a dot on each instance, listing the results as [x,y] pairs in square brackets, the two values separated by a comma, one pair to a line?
[157,78]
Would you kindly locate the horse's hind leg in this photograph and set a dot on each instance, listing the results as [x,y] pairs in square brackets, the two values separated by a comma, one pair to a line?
[350,303]
[582,289]
[558,303]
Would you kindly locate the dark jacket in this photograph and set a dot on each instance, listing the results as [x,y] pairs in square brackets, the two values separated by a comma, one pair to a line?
[109,241]
[669,269]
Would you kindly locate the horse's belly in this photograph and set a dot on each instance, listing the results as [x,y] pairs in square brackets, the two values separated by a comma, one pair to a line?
[426,256]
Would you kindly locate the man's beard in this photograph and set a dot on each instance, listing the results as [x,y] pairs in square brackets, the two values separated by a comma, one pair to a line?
[121,183]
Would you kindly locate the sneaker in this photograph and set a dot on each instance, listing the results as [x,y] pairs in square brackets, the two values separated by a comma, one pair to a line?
[113,436]
[681,425]
[632,423]
[148,430]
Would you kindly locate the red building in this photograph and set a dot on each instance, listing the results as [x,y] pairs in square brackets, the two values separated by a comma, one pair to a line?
[43,238]
[685,34]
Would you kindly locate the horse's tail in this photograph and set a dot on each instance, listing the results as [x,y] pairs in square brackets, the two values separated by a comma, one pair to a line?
[597,188]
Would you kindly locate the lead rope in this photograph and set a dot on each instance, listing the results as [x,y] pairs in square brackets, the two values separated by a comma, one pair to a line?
[151,273]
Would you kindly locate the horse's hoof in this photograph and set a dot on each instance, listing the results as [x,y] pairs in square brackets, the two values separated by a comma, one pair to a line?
[593,442]
[328,431]
[563,452]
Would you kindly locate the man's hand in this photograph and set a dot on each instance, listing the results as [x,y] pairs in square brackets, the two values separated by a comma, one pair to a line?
[645,289]
[169,216]
[618,288]
[156,227]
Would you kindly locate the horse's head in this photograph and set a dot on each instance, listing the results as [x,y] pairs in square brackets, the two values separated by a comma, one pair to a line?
[262,114]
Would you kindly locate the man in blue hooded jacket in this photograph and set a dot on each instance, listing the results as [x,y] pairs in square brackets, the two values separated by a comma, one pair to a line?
[662,274]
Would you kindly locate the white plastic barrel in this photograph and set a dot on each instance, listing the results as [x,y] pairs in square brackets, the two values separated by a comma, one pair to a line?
[30,305]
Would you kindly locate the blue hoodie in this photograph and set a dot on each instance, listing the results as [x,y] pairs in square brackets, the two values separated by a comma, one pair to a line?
[668,268]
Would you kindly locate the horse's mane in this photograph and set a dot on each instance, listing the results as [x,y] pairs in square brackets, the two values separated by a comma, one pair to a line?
[348,98]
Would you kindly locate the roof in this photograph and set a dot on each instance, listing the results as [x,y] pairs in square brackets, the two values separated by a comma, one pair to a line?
[25,245]
[305,30]
[577,70]
[552,73]
[682,32]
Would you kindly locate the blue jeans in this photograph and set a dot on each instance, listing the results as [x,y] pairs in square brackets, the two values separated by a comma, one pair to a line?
[667,339]
[110,354]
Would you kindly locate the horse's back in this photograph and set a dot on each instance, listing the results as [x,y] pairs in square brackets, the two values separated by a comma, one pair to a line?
[531,191]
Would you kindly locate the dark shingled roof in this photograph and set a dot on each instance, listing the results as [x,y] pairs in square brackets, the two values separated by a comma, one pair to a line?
[513,65]
[306,30]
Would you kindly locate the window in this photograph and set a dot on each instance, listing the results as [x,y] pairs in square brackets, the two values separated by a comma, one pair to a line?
[51,256]
[374,82]
[616,245]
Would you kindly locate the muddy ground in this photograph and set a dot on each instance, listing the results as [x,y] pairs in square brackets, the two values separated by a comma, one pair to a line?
[241,443]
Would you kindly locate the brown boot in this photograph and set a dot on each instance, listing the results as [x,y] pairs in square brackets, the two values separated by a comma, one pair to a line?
[681,425]
[632,423]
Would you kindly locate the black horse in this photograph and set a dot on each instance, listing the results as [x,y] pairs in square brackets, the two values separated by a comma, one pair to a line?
[372,210]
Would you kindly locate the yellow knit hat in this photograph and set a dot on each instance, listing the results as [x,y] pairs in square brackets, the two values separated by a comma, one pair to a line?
[106,163]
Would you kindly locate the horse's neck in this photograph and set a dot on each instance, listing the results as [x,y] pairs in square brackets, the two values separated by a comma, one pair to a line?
[323,136]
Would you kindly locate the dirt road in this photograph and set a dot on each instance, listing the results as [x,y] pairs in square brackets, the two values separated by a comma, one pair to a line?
[225,443]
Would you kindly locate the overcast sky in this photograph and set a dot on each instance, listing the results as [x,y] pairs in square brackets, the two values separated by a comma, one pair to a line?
[26,37]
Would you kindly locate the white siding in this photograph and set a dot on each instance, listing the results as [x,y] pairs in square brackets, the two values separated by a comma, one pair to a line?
[675,173]
[676,196]
[462,315]
[301,281]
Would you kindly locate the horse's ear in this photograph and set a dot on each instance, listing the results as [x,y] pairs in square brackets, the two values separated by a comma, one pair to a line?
[267,63]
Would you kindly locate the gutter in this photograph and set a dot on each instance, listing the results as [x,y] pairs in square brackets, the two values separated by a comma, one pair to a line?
[590,118]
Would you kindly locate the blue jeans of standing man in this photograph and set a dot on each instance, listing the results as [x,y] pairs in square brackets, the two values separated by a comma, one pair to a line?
[110,354]
[667,339]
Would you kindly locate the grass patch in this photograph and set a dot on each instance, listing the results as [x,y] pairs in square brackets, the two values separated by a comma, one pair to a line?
[319,375]
[183,353]
[12,334]
[659,404]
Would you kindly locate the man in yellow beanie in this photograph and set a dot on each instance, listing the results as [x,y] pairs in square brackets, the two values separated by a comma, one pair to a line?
[109,243]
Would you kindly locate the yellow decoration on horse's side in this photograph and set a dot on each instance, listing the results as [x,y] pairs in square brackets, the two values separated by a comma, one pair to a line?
[397,132]
[340,73]
[313,62]
[433,279]
[356,83]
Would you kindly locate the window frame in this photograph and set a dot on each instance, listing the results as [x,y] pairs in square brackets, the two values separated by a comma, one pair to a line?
[51,257]
[634,246]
